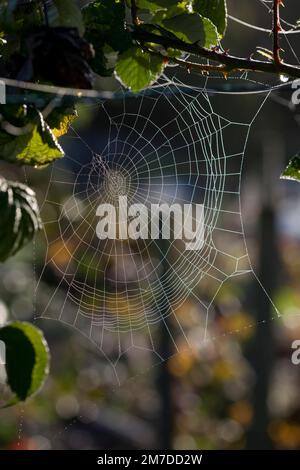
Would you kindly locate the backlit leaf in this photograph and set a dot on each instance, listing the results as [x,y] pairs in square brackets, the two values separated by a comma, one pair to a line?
[27,358]
[192,27]
[37,146]
[137,69]
[215,10]
[292,171]
[20,218]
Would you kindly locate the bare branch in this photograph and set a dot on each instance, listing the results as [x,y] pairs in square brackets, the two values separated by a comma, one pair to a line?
[276,30]
[230,63]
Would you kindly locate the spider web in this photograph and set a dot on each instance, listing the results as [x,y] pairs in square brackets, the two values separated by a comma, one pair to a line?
[168,145]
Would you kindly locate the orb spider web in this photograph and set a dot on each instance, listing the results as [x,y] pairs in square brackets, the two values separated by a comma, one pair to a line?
[167,145]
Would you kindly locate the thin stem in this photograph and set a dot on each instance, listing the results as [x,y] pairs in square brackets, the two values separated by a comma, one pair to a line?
[230,63]
[276,30]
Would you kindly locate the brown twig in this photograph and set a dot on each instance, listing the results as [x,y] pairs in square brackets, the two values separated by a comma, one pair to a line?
[276,29]
[230,63]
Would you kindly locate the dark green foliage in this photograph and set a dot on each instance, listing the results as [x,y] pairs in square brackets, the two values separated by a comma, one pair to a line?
[27,358]
[25,138]
[20,218]
[105,29]
[215,10]
[192,27]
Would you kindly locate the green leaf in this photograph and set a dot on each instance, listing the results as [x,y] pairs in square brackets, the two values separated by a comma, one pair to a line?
[155,5]
[105,26]
[175,10]
[69,15]
[20,218]
[60,120]
[27,358]
[292,171]
[41,149]
[107,19]
[192,27]
[215,10]
[136,69]
[37,147]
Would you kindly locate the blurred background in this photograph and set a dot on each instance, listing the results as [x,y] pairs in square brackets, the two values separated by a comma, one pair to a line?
[238,391]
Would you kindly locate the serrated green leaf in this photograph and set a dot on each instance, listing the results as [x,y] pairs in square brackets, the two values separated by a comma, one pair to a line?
[136,69]
[215,10]
[174,10]
[60,120]
[192,27]
[155,5]
[20,218]
[27,358]
[69,15]
[292,171]
[38,147]
[41,149]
